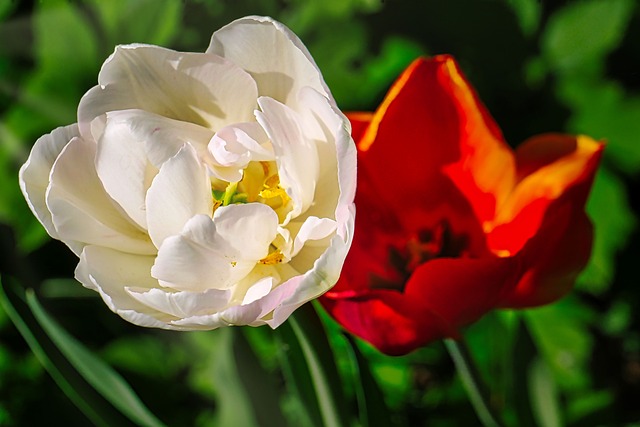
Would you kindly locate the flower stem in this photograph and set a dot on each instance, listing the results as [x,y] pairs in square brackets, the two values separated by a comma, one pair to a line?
[476,389]
[313,367]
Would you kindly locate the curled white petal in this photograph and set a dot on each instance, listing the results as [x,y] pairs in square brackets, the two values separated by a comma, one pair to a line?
[180,191]
[297,156]
[34,174]
[109,272]
[216,253]
[199,88]
[273,55]
[81,211]
[183,303]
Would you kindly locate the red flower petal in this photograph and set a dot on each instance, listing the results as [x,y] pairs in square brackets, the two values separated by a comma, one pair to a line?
[461,290]
[441,296]
[553,257]
[386,319]
[545,220]
[548,166]
[432,123]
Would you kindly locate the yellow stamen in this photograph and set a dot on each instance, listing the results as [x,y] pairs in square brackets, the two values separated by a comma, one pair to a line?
[272,190]
[273,258]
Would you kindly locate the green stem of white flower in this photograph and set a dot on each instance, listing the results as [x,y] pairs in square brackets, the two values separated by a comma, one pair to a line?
[323,373]
[476,389]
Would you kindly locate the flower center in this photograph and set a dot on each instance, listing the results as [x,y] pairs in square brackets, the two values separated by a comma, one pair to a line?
[260,184]
[421,247]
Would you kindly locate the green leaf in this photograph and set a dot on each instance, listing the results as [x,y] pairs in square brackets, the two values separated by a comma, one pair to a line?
[360,87]
[470,377]
[604,110]
[560,332]
[57,27]
[618,318]
[306,16]
[525,352]
[138,21]
[295,371]
[544,395]
[528,13]
[614,221]
[583,406]
[138,353]
[226,369]
[311,368]
[495,362]
[584,32]
[97,373]
[236,406]
[6,7]
[371,404]
[233,407]
[264,395]
[52,351]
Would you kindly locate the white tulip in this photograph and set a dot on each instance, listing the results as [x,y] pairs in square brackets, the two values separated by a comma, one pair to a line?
[202,190]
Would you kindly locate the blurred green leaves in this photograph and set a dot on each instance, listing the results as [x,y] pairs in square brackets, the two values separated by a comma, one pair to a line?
[141,21]
[91,384]
[528,13]
[68,48]
[614,222]
[560,332]
[580,34]
[604,110]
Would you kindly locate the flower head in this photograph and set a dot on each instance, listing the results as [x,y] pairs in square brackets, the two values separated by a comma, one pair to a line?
[202,189]
[452,223]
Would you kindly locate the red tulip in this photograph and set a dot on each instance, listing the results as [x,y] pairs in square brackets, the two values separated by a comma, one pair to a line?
[451,221]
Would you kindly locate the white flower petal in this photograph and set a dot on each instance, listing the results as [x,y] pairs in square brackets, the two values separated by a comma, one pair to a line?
[109,272]
[226,153]
[200,323]
[81,210]
[330,129]
[161,137]
[200,88]
[313,229]
[296,155]
[123,167]
[182,304]
[272,54]
[180,191]
[228,174]
[338,151]
[232,316]
[247,229]
[187,262]
[239,143]
[271,301]
[216,253]
[261,288]
[34,174]
[318,280]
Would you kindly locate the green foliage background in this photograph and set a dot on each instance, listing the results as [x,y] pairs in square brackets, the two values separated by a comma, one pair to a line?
[539,65]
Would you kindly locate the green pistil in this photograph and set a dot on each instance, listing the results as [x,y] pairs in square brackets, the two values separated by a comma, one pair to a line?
[229,195]
[229,192]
